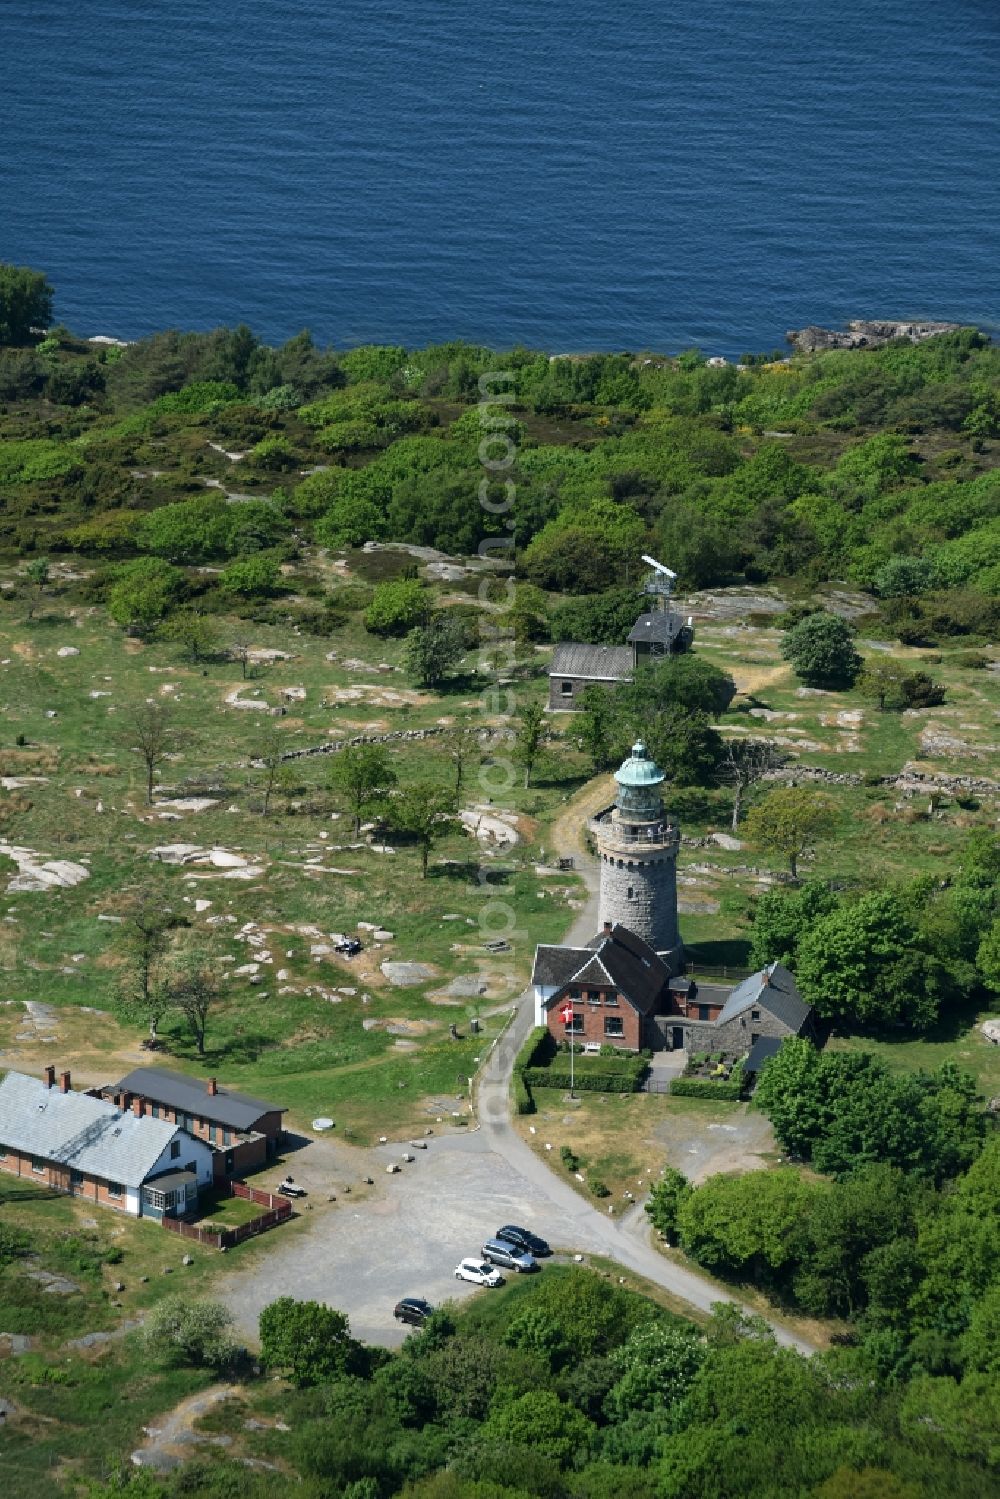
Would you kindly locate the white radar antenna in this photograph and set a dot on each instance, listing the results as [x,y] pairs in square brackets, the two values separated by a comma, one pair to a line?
[660,582]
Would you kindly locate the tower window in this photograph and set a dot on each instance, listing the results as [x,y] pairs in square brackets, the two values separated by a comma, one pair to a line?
[631,893]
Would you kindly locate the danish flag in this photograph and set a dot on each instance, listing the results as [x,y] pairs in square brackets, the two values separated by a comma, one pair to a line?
[566,1014]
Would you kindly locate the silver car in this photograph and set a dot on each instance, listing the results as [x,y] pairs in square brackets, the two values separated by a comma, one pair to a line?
[496,1252]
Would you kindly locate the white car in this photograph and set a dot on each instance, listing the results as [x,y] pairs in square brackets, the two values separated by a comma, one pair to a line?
[479,1273]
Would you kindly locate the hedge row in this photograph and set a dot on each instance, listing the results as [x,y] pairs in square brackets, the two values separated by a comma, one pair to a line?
[536,1050]
[586,1082]
[523,1101]
[704,1087]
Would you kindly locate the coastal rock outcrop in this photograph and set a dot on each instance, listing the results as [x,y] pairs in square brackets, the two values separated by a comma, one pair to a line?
[863,334]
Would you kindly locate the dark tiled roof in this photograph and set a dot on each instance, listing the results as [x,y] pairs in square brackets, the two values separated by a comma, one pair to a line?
[605,663]
[191,1096]
[617,957]
[557,965]
[762,1050]
[661,628]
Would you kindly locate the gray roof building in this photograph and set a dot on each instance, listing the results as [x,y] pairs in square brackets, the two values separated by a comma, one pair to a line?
[189,1095]
[661,628]
[601,663]
[83,1133]
[772,989]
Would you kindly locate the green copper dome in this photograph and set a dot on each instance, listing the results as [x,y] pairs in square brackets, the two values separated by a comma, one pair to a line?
[639,770]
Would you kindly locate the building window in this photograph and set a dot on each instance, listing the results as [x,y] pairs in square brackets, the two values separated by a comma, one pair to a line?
[631,893]
[575,1026]
[574,994]
[594,995]
[114,1189]
[566,689]
[213,1133]
[154,1110]
[614,1025]
[611,999]
[175,1149]
[754,1014]
[227,1137]
[3,1152]
[75,1180]
[704,1012]
[37,1166]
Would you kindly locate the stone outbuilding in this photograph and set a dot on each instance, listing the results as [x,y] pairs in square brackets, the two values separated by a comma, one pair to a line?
[707,1017]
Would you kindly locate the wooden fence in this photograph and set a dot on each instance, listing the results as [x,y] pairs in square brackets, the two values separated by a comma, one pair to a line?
[278,1210]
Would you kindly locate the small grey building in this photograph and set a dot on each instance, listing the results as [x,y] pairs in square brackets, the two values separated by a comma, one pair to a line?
[709,1018]
[575,667]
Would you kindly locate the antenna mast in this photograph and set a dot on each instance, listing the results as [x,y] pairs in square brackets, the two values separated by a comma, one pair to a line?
[659,583]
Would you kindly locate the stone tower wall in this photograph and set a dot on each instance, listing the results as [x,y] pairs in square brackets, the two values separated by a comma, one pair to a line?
[650,874]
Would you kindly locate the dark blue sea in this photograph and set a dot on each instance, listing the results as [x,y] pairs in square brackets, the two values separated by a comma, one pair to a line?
[574,174]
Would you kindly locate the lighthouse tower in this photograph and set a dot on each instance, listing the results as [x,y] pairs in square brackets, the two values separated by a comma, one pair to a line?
[638,846]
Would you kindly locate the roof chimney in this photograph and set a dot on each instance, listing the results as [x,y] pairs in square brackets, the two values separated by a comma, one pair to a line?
[64,1082]
[213,1087]
[607,927]
[138,1107]
[50,1077]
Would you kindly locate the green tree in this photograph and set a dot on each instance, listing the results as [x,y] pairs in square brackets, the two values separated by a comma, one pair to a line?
[685,746]
[192,988]
[543,1423]
[433,650]
[655,1368]
[189,1332]
[251,577]
[193,632]
[749,1226]
[860,964]
[25,303]
[38,572]
[881,682]
[147,923]
[685,681]
[309,1342]
[988,957]
[791,820]
[529,736]
[744,764]
[362,777]
[268,762]
[398,607]
[422,812]
[351,520]
[782,916]
[666,1199]
[143,591]
[188,532]
[821,649]
[151,730]
[602,728]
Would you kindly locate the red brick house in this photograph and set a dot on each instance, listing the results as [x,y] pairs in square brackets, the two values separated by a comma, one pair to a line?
[615,986]
[90,1148]
[243,1132]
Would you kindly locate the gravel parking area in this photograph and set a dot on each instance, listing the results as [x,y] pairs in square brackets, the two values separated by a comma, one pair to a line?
[404,1240]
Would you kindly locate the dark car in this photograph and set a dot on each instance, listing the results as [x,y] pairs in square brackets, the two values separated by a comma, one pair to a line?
[522,1238]
[412,1309]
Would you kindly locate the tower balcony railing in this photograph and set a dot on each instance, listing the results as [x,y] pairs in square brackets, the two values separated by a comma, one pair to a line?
[614,829]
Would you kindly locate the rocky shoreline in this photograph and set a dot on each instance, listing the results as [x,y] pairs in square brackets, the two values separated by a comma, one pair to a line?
[863,334]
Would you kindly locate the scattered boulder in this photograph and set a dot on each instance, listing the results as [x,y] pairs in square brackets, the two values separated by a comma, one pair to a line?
[406,974]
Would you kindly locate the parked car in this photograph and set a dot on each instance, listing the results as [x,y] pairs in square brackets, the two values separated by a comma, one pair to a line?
[479,1273]
[523,1239]
[290,1188]
[499,1252]
[413,1310]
